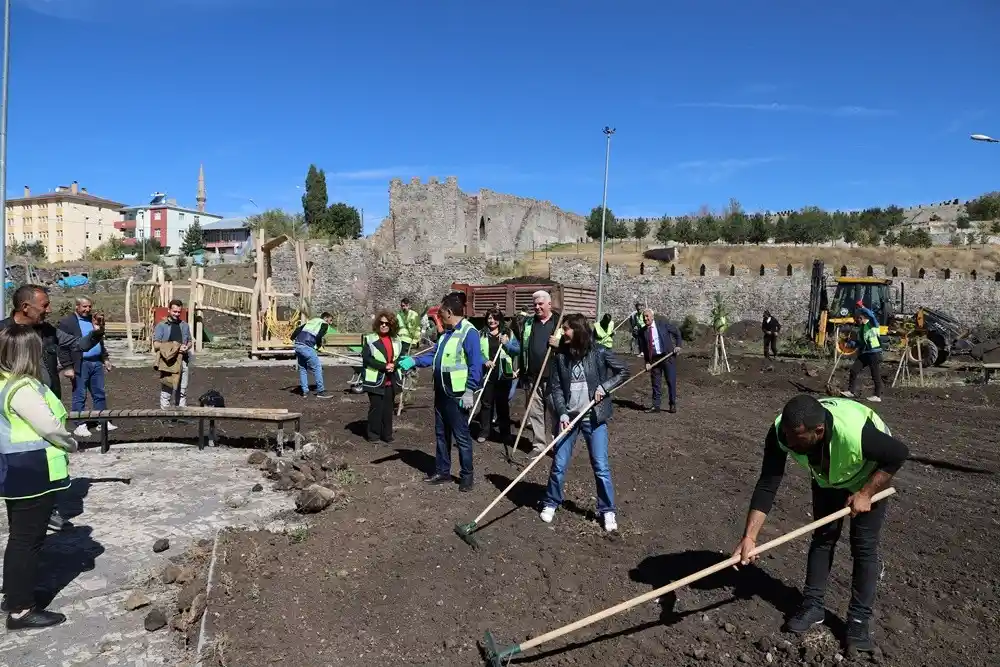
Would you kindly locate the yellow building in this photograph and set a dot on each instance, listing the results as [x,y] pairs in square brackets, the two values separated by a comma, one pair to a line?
[66,221]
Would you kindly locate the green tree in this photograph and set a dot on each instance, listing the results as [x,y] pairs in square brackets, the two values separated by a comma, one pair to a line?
[113,248]
[736,228]
[194,241]
[759,229]
[962,221]
[665,230]
[33,249]
[276,222]
[915,238]
[708,229]
[890,239]
[343,221]
[315,200]
[594,223]
[684,231]
[986,207]
[640,230]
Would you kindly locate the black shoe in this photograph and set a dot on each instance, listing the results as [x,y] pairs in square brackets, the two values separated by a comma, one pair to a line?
[655,408]
[466,486]
[437,480]
[805,618]
[323,394]
[56,522]
[42,598]
[859,636]
[673,409]
[35,619]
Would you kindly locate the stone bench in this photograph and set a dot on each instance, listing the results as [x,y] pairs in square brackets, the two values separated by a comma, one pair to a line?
[278,416]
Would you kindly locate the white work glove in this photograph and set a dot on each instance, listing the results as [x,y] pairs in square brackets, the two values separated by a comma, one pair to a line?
[564,422]
[467,400]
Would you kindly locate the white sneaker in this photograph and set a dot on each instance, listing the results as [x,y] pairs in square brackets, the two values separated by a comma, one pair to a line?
[110,426]
[610,522]
[874,399]
[847,394]
[547,514]
[537,449]
[82,431]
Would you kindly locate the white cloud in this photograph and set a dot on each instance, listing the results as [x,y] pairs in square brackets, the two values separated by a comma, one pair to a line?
[844,110]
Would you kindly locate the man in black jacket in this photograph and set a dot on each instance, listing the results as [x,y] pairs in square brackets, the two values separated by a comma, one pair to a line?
[659,338]
[31,307]
[771,327]
[89,366]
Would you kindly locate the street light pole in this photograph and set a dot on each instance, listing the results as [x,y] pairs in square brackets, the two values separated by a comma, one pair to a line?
[608,131]
[984,137]
[3,154]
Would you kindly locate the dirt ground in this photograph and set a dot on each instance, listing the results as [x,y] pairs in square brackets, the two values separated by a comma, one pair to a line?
[381,579]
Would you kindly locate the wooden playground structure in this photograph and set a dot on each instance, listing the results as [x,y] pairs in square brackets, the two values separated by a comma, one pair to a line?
[270,333]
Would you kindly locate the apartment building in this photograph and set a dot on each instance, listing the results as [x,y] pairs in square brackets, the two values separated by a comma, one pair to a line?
[162,220]
[68,221]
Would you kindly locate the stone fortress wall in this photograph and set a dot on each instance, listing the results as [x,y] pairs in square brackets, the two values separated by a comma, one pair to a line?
[353,279]
[438,218]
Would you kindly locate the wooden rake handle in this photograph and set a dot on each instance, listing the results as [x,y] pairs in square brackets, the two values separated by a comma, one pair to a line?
[562,435]
[482,390]
[690,579]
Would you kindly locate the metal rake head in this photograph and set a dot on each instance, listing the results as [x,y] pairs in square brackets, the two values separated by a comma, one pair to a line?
[467,532]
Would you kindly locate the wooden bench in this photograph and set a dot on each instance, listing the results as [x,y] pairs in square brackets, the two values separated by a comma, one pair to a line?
[343,340]
[281,417]
[988,370]
[120,329]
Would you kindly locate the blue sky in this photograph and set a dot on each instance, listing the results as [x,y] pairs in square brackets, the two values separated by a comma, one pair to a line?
[778,103]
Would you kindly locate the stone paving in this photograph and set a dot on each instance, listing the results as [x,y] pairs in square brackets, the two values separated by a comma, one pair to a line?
[175,492]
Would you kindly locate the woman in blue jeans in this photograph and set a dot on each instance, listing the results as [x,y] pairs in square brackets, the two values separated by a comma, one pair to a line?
[583,372]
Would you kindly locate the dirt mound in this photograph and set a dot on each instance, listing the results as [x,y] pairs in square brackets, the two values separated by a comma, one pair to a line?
[744,330]
[528,280]
[988,352]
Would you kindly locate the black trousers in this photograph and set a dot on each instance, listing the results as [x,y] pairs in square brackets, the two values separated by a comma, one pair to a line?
[865,530]
[404,348]
[667,369]
[380,413]
[770,345]
[873,361]
[28,520]
[496,399]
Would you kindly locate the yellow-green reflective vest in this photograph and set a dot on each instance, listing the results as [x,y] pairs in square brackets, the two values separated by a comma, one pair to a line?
[450,358]
[373,377]
[870,339]
[605,337]
[31,466]
[848,467]
[409,326]
[310,332]
[506,363]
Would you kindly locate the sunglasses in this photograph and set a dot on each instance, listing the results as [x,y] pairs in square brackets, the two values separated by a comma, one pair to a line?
[383,323]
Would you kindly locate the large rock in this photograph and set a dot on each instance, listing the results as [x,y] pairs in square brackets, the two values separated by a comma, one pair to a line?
[137,599]
[256,458]
[314,498]
[155,620]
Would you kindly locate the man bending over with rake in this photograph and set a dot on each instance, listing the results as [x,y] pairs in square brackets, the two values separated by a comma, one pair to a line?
[851,455]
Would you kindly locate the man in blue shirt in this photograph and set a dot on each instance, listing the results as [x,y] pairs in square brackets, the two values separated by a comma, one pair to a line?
[458,371]
[869,348]
[87,372]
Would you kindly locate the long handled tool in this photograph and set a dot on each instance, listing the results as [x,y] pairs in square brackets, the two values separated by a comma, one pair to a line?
[466,530]
[493,364]
[531,397]
[399,410]
[499,658]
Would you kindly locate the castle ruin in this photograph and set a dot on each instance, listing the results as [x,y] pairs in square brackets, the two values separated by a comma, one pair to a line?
[437,217]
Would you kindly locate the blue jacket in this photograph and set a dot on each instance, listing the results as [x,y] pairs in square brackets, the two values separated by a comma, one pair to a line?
[473,355]
[670,337]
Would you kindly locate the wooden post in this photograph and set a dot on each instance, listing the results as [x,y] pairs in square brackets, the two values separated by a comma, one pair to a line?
[128,314]
[199,325]
[255,298]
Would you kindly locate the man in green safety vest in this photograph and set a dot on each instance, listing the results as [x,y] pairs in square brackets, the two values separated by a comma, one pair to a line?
[604,331]
[409,325]
[308,339]
[635,325]
[850,455]
[458,371]
[869,349]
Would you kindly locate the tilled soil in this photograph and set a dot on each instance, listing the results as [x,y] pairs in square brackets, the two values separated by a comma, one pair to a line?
[381,578]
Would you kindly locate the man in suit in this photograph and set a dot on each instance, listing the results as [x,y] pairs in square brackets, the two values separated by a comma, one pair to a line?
[658,339]
[88,366]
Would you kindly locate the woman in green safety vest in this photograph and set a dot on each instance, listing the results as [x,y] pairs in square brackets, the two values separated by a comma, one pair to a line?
[34,464]
[604,331]
[381,380]
[497,378]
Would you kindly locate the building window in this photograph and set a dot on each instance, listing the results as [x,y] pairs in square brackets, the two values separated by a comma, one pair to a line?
[59,218]
[59,249]
[156,233]
[180,216]
[88,235]
[59,233]
[156,215]
[30,236]
[197,219]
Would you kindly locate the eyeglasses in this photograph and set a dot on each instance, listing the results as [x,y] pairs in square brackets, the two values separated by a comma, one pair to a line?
[383,323]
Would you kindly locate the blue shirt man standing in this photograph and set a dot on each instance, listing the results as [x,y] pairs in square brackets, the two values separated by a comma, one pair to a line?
[458,371]
[89,366]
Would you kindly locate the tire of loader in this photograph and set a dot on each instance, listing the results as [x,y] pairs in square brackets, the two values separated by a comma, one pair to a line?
[929,353]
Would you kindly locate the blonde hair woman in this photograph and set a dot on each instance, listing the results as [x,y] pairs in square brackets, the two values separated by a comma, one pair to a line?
[33,448]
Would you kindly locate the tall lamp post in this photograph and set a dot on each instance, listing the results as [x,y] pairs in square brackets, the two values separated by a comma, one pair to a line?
[3,154]
[608,131]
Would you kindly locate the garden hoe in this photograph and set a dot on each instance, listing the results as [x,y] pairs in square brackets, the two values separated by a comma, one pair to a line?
[482,390]
[466,530]
[501,657]
[531,397]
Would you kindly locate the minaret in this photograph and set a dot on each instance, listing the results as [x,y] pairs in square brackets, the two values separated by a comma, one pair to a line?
[201,198]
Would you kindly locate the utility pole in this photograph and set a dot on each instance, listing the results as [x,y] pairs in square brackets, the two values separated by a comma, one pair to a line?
[3,154]
[608,131]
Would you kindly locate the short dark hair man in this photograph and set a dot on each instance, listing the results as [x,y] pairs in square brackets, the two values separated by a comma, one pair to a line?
[851,456]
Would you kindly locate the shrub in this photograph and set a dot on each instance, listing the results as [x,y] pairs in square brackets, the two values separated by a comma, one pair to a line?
[689,328]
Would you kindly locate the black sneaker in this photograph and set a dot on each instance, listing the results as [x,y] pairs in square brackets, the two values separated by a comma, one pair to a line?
[673,409]
[859,636]
[655,408]
[34,620]
[56,522]
[466,486]
[437,480]
[323,394]
[805,618]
